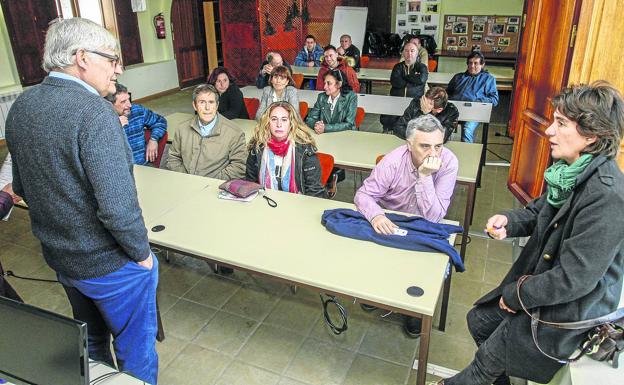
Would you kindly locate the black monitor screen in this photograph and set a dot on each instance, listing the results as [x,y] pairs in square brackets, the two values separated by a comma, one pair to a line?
[40,347]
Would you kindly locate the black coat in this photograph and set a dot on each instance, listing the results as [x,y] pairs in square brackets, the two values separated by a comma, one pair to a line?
[231,103]
[307,165]
[575,257]
[409,82]
[262,80]
[448,118]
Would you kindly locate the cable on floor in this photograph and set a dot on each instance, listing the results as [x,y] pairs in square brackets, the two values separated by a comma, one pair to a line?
[341,309]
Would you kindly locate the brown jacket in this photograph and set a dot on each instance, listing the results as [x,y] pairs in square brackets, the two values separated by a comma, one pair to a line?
[221,155]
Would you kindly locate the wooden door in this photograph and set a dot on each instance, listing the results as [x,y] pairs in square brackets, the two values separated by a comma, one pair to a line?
[128,31]
[543,67]
[189,47]
[27,23]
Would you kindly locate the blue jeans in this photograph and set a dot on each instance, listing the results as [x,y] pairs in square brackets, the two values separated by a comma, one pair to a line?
[125,306]
[468,131]
[488,325]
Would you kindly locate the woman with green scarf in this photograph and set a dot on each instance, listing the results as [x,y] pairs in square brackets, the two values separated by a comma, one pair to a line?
[573,263]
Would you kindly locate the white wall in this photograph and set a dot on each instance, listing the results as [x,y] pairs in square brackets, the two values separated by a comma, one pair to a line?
[150,78]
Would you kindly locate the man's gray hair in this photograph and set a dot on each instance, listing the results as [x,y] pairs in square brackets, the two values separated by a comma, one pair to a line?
[424,123]
[65,37]
[205,88]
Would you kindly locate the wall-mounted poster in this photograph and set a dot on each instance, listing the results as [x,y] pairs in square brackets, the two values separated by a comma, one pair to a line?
[490,34]
[421,15]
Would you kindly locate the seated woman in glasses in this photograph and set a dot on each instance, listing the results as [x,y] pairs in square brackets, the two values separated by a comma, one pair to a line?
[282,153]
[281,88]
[334,109]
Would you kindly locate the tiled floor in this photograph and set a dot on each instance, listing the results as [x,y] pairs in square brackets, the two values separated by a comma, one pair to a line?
[249,330]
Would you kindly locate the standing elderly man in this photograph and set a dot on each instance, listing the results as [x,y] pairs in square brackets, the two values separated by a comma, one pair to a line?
[348,49]
[135,119]
[417,178]
[210,144]
[474,85]
[273,60]
[73,166]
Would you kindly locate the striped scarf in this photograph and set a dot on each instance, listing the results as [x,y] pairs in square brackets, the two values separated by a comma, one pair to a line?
[268,176]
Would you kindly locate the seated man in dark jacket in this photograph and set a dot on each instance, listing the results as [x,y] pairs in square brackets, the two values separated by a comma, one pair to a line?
[434,102]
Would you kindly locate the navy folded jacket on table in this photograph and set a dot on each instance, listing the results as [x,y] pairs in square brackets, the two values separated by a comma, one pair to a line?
[422,235]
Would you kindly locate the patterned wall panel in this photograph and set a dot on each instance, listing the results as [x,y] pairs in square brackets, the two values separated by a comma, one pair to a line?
[240,34]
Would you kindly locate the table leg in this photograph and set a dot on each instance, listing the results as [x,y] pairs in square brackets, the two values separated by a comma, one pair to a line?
[484,141]
[445,300]
[470,203]
[423,350]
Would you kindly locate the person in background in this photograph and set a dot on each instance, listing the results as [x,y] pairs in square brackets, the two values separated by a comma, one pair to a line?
[281,89]
[416,178]
[347,49]
[335,109]
[135,119]
[273,59]
[572,267]
[83,203]
[408,79]
[7,199]
[474,85]
[231,103]
[282,153]
[209,144]
[434,102]
[331,62]
[422,55]
[310,54]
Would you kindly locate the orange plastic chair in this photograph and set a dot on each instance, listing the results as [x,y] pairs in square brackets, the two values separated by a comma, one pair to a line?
[359,117]
[432,65]
[379,158]
[161,146]
[329,180]
[364,61]
[252,105]
[298,79]
[303,109]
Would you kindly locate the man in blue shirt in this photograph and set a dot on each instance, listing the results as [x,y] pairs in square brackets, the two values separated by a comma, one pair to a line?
[135,119]
[474,85]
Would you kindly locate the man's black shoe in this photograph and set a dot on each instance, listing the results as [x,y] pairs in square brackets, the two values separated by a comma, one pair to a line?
[225,270]
[412,326]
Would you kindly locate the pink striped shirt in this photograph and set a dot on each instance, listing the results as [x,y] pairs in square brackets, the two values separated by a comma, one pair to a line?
[394,184]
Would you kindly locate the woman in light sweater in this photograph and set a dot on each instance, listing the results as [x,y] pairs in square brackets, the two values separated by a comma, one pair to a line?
[282,89]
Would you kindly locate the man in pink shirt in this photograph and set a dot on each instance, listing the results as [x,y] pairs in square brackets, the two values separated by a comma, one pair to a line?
[416,178]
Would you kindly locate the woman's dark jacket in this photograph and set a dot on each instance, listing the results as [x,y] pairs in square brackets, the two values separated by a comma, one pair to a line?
[231,104]
[307,169]
[575,257]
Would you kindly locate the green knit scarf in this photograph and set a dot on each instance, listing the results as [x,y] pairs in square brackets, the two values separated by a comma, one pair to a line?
[561,179]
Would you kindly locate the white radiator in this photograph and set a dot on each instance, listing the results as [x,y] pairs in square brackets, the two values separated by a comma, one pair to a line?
[6,100]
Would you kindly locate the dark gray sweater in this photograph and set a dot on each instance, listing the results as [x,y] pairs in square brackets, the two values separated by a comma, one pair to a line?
[73,166]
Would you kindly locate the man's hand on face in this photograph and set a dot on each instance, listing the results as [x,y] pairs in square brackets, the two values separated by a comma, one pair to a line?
[267,69]
[152,150]
[310,64]
[382,225]
[426,104]
[340,51]
[123,119]
[430,165]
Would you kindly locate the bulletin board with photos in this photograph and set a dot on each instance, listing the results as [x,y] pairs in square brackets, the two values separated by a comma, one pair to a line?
[418,17]
[494,36]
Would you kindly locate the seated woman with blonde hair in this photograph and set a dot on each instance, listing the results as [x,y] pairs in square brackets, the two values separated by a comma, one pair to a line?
[282,153]
[281,88]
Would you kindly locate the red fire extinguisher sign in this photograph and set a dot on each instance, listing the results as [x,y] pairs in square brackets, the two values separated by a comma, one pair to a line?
[159,26]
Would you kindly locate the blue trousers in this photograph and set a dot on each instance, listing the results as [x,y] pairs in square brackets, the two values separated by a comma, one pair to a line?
[469,131]
[125,306]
